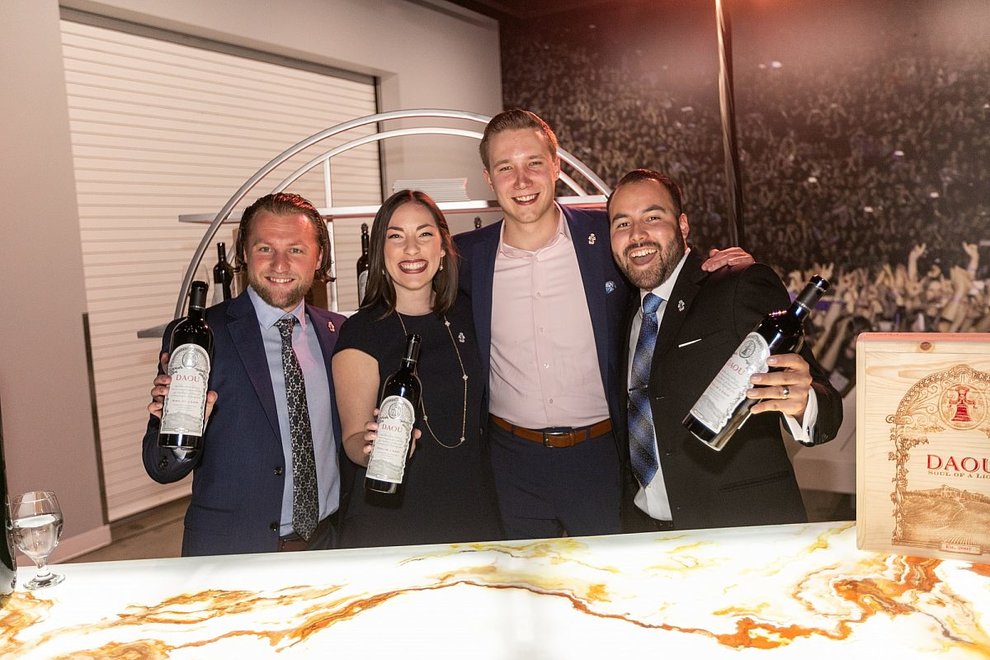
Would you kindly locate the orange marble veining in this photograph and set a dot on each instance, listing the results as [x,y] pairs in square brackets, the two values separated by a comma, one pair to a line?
[833,602]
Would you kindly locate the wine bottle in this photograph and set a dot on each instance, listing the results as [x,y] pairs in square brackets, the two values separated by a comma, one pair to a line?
[396,417]
[223,276]
[8,568]
[723,407]
[362,264]
[191,346]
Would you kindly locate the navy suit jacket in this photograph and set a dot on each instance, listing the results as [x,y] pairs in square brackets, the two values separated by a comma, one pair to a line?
[238,474]
[605,289]
[751,481]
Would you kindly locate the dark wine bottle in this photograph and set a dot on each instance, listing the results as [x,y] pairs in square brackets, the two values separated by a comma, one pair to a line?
[396,418]
[362,264]
[723,407]
[223,276]
[8,567]
[190,358]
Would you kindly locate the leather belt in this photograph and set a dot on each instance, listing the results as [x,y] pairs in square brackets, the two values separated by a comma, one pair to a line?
[294,543]
[557,438]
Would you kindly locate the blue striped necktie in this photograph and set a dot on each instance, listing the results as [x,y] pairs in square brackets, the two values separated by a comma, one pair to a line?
[642,446]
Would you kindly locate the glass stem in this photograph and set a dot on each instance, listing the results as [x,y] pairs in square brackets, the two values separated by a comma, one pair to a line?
[43,572]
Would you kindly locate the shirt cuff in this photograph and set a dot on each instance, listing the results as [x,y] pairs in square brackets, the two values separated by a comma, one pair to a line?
[801,432]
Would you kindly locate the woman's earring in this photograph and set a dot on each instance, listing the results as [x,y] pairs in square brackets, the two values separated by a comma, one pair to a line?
[441,263]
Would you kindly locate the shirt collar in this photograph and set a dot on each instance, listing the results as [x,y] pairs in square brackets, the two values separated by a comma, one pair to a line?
[563,233]
[666,287]
[268,315]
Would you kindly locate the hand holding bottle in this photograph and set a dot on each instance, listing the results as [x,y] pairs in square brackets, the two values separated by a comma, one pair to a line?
[371,434]
[785,389]
[729,399]
[159,390]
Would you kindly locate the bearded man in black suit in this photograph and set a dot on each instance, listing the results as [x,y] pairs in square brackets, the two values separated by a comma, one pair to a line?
[675,481]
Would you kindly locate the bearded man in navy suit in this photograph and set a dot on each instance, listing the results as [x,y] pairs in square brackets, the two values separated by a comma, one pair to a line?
[242,493]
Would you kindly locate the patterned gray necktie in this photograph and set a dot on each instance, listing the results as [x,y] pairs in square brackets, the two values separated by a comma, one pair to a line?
[305,506]
[642,449]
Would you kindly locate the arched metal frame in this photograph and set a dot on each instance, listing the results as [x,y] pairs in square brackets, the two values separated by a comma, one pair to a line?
[324,160]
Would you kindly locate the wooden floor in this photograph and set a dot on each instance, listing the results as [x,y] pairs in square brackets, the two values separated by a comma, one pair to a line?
[158,533]
[152,534]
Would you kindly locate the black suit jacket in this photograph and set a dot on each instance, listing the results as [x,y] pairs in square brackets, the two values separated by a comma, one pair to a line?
[239,474]
[751,481]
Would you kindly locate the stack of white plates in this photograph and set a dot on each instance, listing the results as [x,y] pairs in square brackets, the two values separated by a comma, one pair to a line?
[441,190]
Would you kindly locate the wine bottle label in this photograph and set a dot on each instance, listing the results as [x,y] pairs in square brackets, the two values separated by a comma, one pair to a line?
[728,388]
[396,417]
[362,285]
[185,405]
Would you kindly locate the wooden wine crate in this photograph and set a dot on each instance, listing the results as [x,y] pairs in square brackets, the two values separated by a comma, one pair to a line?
[923,444]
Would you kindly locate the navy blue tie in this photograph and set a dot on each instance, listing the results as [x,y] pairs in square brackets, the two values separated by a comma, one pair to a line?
[642,448]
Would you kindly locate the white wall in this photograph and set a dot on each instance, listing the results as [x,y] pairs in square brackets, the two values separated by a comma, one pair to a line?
[427,54]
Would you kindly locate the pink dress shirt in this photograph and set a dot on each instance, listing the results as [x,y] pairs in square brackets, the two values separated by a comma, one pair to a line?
[544,364]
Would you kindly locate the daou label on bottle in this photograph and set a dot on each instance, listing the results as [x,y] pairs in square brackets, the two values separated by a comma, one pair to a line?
[728,389]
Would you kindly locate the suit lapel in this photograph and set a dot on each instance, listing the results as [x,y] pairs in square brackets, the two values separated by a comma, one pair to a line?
[685,289]
[242,324]
[326,337]
[588,246]
[483,279]
[326,333]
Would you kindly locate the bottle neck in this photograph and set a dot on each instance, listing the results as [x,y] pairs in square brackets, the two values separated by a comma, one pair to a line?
[806,301]
[197,297]
[799,309]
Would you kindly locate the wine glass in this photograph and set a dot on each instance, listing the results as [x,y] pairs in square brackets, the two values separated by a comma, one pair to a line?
[36,518]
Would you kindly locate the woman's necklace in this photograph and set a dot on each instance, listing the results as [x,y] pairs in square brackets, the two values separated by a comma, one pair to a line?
[464,378]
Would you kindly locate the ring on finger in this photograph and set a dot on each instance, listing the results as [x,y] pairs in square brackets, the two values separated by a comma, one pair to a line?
[786,391]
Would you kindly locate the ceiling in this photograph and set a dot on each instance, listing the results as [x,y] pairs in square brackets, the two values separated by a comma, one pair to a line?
[526,9]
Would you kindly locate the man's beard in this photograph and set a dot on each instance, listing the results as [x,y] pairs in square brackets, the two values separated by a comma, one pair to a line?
[661,268]
[286,299]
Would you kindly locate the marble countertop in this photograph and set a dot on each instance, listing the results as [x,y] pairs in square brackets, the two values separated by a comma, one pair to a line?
[790,591]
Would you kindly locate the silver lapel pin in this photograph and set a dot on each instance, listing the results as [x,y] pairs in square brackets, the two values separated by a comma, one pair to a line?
[460,337]
[331,327]
[680,305]
[591,239]
[609,287]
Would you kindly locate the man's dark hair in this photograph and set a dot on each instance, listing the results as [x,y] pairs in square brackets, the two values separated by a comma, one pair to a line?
[380,289]
[643,174]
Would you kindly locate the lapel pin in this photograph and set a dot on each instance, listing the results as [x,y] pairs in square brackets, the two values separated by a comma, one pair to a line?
[609,287]
[680,305]
[331,327]
[460,337]
[591,239]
